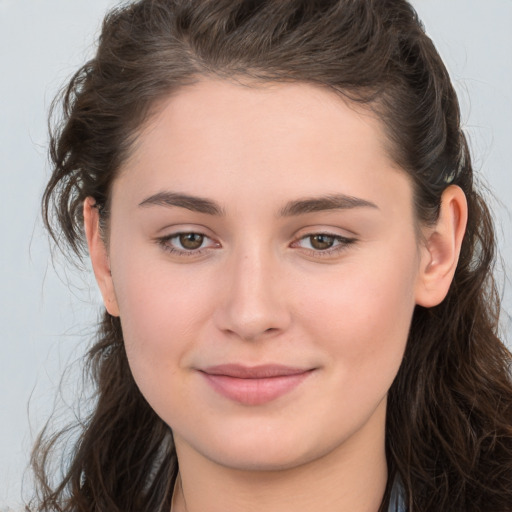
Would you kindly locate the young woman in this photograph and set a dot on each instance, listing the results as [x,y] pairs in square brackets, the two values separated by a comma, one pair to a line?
[278,203]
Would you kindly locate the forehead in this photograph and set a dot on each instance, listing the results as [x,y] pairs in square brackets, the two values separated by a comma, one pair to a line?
[250,109]
[219,136]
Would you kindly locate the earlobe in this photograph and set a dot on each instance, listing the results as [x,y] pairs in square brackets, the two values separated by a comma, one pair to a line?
[99,256]
[440,253]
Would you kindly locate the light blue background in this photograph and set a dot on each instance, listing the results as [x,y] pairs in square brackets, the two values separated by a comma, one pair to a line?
[46,322]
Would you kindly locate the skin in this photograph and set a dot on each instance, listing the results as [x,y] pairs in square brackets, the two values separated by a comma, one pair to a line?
[259,289]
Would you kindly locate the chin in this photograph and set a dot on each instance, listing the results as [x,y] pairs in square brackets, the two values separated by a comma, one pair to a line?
[260,460]
[249,450]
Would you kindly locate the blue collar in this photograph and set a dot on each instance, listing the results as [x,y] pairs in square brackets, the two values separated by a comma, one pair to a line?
[396,502]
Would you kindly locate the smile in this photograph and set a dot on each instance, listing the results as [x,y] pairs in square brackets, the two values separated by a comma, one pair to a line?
[254,385]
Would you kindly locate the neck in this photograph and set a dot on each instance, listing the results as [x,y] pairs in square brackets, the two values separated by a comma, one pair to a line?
[352,477]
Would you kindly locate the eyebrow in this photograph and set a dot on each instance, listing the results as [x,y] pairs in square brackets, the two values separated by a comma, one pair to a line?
[193,203]
[293,208]
[329,202]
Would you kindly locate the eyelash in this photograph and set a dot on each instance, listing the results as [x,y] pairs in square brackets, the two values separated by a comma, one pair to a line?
[164,242]
[342,244]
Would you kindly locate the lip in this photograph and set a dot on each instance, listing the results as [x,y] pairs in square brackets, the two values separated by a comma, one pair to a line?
[254,385]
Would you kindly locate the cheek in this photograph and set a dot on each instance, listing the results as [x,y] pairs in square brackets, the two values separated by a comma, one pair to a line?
[361,318]
[161,315]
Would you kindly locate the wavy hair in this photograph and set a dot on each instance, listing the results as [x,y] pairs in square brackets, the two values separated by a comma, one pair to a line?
[449,419]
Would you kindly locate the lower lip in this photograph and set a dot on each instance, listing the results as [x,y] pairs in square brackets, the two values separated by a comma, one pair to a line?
[254,391]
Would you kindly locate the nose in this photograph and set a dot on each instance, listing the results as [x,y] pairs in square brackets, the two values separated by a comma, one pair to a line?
[253,304]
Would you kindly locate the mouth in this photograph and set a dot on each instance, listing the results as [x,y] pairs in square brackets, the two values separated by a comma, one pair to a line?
[254,385]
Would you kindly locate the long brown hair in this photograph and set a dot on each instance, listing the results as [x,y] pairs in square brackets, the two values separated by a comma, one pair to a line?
[448,431]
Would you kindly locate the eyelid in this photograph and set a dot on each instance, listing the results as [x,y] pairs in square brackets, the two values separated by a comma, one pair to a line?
[343,243]
[164,243]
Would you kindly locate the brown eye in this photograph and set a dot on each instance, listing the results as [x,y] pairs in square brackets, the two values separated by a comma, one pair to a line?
[191,241]
[321,242]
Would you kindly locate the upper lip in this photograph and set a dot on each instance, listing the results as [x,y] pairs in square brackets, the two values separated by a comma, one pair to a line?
[253,372]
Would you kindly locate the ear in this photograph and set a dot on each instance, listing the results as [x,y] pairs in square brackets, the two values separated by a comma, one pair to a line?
[441,249]
[99,256]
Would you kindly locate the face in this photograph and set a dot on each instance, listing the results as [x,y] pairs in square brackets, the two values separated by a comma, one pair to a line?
[265,268]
